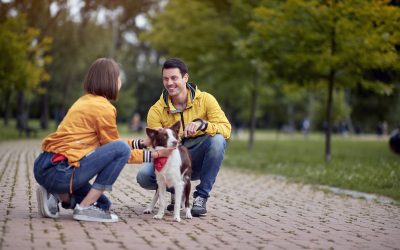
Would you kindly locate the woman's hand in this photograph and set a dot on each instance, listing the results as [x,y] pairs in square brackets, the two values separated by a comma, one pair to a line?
[146,142]
[165,152]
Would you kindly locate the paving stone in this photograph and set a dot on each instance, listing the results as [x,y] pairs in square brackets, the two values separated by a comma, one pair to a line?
[245,211]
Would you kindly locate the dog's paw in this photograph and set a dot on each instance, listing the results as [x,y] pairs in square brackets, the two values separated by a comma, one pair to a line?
[158,216]
[177,219]
[188,214]
[147,211]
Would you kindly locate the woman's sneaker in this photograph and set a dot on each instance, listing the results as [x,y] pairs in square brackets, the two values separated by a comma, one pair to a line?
[93,213]
[47,203]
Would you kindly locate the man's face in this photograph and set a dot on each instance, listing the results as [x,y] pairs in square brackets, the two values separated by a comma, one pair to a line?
[173,81]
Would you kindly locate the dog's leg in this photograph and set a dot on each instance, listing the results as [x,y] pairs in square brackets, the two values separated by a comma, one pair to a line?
[150,207]
[178,201]
[186,194]
[161,197]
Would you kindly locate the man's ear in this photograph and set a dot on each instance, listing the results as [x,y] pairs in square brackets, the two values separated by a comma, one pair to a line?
[151,133]
[176,127]
[186,78]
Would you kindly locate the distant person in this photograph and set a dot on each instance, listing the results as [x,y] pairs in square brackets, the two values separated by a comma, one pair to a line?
[343,128]
[86,145]
[136,123]
[382,129]
[237,127]
[204,130]
[305,127]
[394,140]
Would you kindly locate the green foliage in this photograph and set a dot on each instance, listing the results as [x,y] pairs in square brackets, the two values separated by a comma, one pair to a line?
[74,49]
[315,38]
[362,164]
[23,60]
[333,44]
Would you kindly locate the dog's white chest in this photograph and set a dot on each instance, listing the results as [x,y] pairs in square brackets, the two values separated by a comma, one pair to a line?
[171,172]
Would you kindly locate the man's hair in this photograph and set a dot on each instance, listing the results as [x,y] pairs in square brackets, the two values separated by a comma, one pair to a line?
[173,63]
[102,78]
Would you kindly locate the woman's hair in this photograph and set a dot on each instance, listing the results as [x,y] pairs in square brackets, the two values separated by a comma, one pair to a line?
[102,78]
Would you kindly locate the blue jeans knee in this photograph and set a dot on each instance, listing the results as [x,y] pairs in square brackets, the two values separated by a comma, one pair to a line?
[146,177]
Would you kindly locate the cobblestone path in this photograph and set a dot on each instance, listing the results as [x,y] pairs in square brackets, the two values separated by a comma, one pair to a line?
[245,212]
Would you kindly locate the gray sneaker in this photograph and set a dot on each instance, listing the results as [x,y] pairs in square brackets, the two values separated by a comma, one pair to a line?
[199,207]
[47,203]
[93,213]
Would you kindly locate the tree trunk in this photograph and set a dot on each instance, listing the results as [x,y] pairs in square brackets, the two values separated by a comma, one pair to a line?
[328,129]
[44,110]
[253,116]
[21,112]
[310,108]
[331,83]
[64,101]
[7,108]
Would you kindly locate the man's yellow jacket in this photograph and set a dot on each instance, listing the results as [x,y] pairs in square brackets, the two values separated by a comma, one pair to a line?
[200,105]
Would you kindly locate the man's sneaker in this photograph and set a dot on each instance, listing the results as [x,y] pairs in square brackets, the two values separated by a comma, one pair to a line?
[171,206]
[93,213]
[199,207]
[47,203]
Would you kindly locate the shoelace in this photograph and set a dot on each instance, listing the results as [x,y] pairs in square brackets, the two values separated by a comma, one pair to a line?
[99,209]
[199,201]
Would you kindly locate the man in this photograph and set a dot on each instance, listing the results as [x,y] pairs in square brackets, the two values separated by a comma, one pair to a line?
[204,130]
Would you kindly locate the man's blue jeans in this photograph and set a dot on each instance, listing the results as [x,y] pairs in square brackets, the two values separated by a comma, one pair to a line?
[105,162]
[206,156]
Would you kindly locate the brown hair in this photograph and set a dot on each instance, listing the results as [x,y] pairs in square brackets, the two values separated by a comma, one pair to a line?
[102,78]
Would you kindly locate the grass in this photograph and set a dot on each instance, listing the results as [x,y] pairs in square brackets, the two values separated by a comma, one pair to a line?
[358,163]
[364,164]
[11,133]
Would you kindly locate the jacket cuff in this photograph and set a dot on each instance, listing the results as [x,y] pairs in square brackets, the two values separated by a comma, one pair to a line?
[147,156]
[137,144]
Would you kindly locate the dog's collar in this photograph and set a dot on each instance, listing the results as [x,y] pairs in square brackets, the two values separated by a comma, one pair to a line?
[159,163]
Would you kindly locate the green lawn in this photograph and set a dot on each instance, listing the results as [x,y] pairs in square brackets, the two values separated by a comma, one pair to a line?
[11,133]
[364,164]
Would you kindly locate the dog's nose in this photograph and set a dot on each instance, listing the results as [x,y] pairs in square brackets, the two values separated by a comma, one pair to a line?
[174,143]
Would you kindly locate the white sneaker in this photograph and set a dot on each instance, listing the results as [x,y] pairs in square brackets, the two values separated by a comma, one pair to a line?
[93,213]
[47,203]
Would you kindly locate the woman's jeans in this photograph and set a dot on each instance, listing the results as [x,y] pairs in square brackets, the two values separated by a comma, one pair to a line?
[105,163]
[207,156]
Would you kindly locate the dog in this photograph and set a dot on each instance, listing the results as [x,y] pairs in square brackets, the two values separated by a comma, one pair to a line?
[174,171]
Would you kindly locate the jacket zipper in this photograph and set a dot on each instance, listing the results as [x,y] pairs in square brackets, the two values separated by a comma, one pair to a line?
[183,122]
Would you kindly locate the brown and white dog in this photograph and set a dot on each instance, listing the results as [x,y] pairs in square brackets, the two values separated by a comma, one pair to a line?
[174,171]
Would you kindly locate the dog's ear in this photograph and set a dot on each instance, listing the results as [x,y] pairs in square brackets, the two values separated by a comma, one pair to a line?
[151,133]
[176,127]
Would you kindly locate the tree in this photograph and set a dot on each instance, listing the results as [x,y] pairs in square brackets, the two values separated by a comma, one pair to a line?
[22,65]
[331,44]
[205,35]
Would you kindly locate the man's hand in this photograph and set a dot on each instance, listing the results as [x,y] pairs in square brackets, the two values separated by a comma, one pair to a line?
[191,128]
